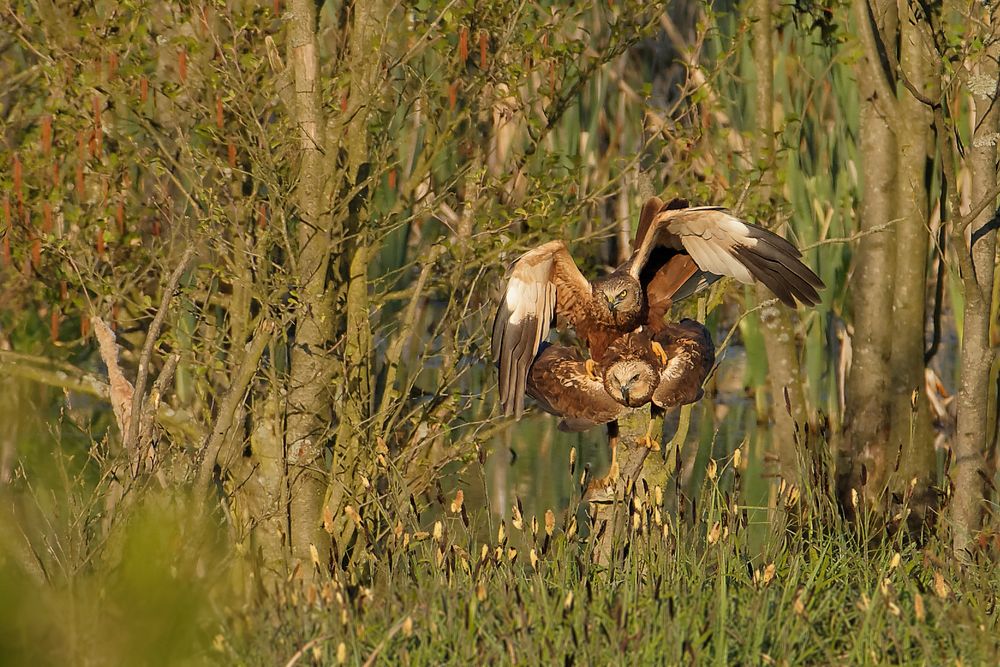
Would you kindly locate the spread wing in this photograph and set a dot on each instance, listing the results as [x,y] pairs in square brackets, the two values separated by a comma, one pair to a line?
[717,244]
[690,355]
[541,284]
[560,384]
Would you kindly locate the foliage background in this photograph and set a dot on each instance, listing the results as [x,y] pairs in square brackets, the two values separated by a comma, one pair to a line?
[456,135]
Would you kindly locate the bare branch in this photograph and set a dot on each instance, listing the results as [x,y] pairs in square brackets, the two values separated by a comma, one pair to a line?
[230,404]
[147,349]
[122,393]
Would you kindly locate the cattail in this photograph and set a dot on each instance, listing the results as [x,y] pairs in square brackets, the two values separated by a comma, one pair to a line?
[55,173]
[452,95]
[120,217]
[483,40]
[182,65]
[6,248]
[46,134]
[262,216]
[143,89]
[218,112]
[46,217]
[392,179]
[156,227]
[456,504]
[54,324]
[84,327]
[550,522]
[343,102]
[112,65]
[100,243]
[63,290]
[277,7]
[463,44]
[232,155]
[36,253]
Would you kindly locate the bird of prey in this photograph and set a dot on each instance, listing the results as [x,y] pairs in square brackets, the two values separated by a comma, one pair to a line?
[678,250]
[667,370]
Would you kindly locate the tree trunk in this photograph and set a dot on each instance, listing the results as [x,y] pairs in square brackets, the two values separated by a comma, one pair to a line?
[352,455]
[308,404]
[784,376]
[909,414]
[973,429]
[866,420]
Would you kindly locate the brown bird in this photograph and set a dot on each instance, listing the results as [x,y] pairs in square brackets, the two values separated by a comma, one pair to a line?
[667,369]
[678,251]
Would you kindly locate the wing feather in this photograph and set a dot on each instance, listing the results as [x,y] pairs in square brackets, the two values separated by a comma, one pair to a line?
[559,382]
[690,355]
[724,245]
[541,284]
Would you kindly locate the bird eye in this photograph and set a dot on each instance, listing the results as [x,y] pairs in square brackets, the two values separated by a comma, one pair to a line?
[621,294]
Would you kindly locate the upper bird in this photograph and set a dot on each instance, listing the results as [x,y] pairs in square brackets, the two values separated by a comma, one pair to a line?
[678,251]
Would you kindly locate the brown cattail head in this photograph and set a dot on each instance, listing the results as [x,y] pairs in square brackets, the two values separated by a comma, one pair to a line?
[112,65]
[484,39]
[232,155]
[36,253]
[143,89]
[182,65]
[463,44]
[100,243]
[392,179]
[218,112]
[46,217]
[63,290]
[120,217]
[453,95]
[54,324]
[262,215]
[84,327]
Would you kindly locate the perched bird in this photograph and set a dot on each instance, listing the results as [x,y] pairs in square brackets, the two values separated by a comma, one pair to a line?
[666,370]
[678,250]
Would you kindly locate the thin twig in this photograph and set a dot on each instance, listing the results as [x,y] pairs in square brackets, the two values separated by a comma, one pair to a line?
[229,405]
[142,375]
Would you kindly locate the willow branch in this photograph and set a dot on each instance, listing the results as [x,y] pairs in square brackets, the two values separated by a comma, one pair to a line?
[142,375]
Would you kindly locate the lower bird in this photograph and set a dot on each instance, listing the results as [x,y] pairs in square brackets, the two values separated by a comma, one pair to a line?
[666,369]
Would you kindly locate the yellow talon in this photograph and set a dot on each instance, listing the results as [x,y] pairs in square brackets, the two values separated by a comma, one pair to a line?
[660,353]
[591,367]
[648,441]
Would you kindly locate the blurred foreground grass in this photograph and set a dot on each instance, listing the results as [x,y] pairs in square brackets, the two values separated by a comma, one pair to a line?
[715,580]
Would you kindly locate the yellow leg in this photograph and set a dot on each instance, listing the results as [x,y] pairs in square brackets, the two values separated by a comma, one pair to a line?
[647,440]
[591,367]
[613,469]
[660,353]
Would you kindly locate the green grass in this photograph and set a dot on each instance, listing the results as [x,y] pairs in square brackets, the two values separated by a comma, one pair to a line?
[725,581]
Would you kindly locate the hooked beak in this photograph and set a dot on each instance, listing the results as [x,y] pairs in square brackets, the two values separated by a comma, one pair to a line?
[625,389]
[612,305]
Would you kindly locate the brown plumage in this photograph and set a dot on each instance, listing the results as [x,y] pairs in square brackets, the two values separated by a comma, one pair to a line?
[678,251]
[632,375]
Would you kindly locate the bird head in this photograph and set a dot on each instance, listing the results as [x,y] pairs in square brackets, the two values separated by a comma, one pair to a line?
[620,293]
[631,382]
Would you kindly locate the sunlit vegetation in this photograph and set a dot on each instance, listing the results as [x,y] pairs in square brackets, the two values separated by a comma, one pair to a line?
[249,258]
